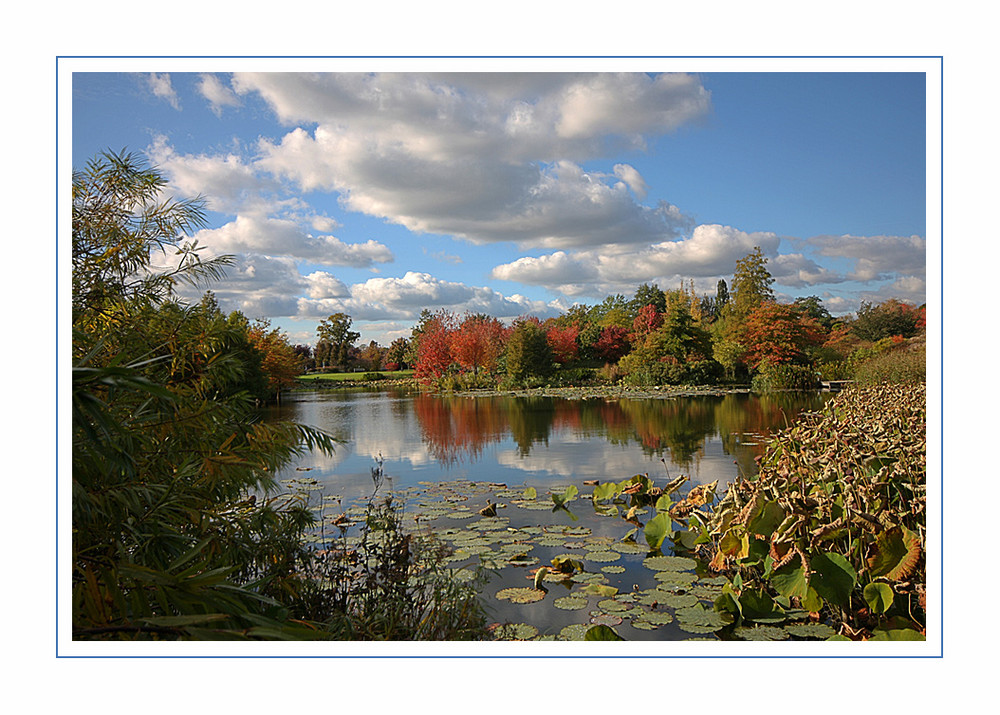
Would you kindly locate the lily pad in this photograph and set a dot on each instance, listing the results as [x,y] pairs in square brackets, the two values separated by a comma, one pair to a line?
[574,632]
[520,595]
[761,633]
[515,632]
[669,563]
[602,556]
[571,603]
[810,630]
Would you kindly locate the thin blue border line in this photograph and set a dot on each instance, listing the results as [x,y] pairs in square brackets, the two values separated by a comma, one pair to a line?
[939,58]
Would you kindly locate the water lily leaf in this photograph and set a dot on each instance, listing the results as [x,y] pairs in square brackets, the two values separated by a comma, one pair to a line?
[770,517]
[603,492]
[810,630]
[878,596]
[602,633]
[761,633]
[790,580]
[758,606]
[897,554]
[597,589]
[560,499]
[669,563]
[833,577]
[515,632]
[574,632]
[530,493]
[520,595]
[898,634]
[571,603]
[602,556]
[657,529]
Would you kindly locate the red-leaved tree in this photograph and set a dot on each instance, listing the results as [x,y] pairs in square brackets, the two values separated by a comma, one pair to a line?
[565,347]
[613,343]
[434,347]
[778,334]
[477,343]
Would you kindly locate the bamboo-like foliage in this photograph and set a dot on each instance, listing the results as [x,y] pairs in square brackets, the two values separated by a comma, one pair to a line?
[178,531]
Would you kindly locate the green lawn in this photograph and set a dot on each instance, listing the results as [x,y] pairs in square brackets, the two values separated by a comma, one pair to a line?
[341,376]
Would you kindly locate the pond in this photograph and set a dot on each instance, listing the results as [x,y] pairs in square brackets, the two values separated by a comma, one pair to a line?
[448,456]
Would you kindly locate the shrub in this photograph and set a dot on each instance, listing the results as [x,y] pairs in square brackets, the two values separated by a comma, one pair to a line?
[784,377]
[895,367]
[372,376]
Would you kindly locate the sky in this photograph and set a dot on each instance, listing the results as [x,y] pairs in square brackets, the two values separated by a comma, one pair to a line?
[522,193]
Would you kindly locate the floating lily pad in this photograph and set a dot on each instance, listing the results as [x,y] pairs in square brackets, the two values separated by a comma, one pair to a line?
[606,619]
[515,632]
[669,563]
[602,556]
[697,619]
[675,579]
[575,632]
[810,630]
[597,589]
[657,618]
[761,633]
[611,604]
[520,595]
[571,603]
[629,547]
[613,569]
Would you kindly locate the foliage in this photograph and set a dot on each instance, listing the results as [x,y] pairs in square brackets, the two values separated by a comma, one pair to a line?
[335,340]
[389,584]
[776,376]
[176,529]
[279,361]
[777,334]
[477,343]
[751,283]
[889,318]
[527,353]
[901,366]
[839,505]
[433,347]
[563,342]
[613,343]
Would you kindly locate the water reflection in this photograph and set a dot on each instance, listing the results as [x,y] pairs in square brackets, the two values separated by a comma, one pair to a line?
[516,439]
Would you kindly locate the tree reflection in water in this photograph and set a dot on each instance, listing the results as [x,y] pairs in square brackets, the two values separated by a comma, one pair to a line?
[457,428]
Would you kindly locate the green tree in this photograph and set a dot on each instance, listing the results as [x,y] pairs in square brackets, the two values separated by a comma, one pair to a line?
[173,536]
[337,338]
[527,353]
[892,317]
[751,283]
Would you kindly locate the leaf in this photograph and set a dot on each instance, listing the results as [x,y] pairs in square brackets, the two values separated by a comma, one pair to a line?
[597,589]
[897,553]
[602,633]
[878,596]
[758,606]
[790,581]
[657,529]
[605,491]
[768,520]
[833,577]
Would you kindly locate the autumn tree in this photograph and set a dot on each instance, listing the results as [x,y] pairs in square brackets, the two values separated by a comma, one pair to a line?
[613,343]
[279,361]
[434,355]
[373,355]
[779,334]
[397,353]
[477,343]
[563,342]
[648,320]
[892,317]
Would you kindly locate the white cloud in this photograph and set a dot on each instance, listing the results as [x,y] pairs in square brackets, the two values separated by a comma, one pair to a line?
[279,237]
[710,252]
[877,257]
[161,86]
[404,298]
[217,94]
[484,157]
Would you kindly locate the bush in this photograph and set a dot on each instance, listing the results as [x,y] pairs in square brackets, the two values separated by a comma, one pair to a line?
[774,377]
[372,376]
[647,374]
[896,367]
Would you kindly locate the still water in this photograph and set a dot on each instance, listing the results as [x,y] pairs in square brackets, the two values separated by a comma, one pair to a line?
[547,443]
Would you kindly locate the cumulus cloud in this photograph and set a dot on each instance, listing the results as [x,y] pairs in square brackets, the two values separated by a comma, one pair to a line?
[404,298]
[278,237]
[710,251]
[217,94]
[876,258]
[486,158]
[161,86]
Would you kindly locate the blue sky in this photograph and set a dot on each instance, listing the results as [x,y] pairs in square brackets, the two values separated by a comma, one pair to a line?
[523,193]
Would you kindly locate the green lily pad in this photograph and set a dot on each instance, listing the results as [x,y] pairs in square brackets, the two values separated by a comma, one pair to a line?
[571,603]
[606,619]
[669,563]
[761,633]
[574,632]
[610,604]
[515,632]
[810,630]
[657,618]
[613,569]
[520,595]
[602,556]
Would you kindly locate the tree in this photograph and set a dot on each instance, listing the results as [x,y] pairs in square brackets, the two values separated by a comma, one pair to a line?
[337,338]
[751,283]
[563,342]
[397,354]
[279,361]
[169,538]
[648,320]
[721,295]
[434,356]
[477,343]
[892,317]
[647,294]
[527,354]
[613,343]
[813,307]
[778,334]
[373,355]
